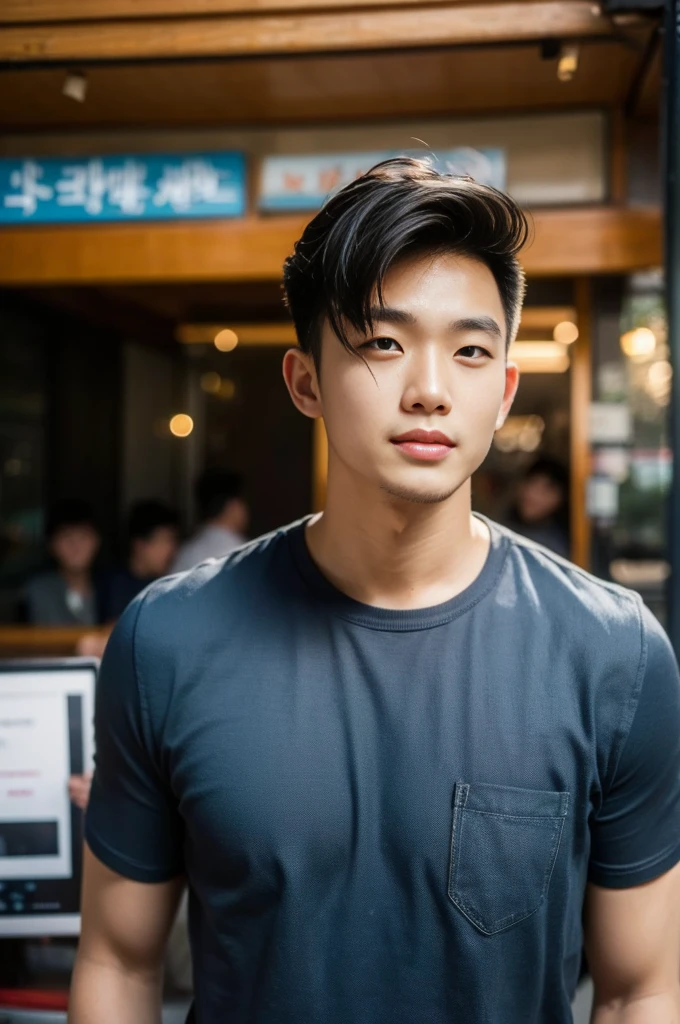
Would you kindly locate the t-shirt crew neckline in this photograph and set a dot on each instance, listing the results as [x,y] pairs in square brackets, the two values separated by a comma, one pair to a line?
[391,619]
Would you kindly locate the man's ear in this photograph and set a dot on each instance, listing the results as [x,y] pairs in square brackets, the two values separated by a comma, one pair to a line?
[299,373]
[511,385]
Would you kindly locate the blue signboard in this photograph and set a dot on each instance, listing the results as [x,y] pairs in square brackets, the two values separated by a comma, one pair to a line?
[304,182]
[122,188]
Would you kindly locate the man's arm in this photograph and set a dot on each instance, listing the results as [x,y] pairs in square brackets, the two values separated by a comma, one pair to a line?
[125,925]
[632,941]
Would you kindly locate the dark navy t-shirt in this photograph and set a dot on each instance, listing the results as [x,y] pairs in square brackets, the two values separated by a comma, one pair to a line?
[386,817]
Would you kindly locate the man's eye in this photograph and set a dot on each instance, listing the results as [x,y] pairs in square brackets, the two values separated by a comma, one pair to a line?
[473,352]
[383,345]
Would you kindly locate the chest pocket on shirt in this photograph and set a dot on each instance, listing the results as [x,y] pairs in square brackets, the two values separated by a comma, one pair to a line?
[504,843]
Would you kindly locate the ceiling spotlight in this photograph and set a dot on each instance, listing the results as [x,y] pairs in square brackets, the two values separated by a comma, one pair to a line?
[567,63]
[75,86]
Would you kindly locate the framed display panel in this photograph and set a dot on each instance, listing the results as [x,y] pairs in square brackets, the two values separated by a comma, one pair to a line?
[46,736]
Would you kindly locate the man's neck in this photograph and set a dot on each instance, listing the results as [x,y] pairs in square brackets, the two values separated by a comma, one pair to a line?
[396,554]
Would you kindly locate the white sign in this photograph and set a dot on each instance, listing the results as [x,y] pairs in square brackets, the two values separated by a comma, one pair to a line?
[602,498]
[305,182]
[612,462]
[609,423]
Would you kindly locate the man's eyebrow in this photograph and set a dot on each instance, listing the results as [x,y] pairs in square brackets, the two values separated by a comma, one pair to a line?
[389,315]
[487,324]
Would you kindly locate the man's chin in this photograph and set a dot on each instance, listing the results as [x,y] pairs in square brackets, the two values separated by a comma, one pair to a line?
[421,495]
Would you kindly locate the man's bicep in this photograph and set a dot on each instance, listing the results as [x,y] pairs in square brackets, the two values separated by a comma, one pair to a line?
[125,923]
[132,824]
[632,937]
[635,833]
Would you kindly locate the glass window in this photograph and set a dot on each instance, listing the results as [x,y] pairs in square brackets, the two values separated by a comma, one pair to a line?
[22,447]
[631,470]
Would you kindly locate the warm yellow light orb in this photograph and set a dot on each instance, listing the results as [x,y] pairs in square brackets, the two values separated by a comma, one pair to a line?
[565,332]
[638,344]
[226,340]
[181,425]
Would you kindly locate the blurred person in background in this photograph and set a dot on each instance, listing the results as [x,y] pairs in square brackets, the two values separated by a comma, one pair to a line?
[541,509]
[65,595]
[224,519]
[153,536]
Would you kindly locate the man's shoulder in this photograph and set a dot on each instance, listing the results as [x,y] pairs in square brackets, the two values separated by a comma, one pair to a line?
[216,579]
[561,587]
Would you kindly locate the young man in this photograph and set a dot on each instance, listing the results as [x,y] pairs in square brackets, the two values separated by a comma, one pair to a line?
[224,519]
[393,748]
[153,537]
[65,596]
[540,510]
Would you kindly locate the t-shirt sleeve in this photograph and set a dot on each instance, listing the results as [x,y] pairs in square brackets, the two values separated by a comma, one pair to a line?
[635,836]
[132,823]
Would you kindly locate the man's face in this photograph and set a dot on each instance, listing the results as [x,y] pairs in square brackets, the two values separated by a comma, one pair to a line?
[156,553]
[435,362]
[538,498]
[74,547]
[239,515]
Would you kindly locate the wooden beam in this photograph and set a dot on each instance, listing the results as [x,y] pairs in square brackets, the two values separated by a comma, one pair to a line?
[544,318]
[571,241]
[247,334]
[31,11]
[580,396]
[596,240]
[447,25]
[315,89]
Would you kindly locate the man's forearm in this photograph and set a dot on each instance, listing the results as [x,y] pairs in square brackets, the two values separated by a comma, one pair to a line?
[660,1008]
[107,994]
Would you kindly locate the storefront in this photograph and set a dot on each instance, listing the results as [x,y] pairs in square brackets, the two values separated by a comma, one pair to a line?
[561,101]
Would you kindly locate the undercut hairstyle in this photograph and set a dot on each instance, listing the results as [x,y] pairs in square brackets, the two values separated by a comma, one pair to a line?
[400,208]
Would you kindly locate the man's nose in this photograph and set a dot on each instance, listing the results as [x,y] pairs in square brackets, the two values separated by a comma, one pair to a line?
[428,384]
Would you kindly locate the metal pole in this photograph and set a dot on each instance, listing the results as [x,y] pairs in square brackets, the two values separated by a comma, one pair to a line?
[671,165]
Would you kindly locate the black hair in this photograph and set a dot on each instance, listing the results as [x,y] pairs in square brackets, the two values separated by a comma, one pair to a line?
[555,471]
[147,516]
[215,488]
[401,207]
[69,512]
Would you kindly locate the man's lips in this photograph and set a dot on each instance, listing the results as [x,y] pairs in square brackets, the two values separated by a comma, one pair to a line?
[427,445]
[424,437]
